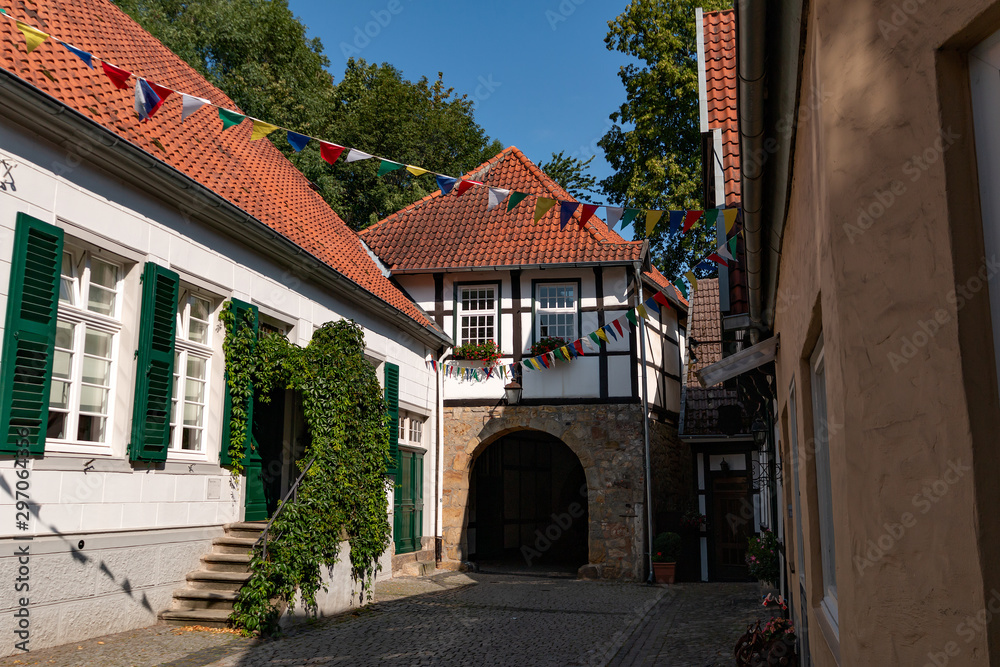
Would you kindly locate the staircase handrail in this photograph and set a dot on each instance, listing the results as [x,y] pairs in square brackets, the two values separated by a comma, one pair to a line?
[293,493]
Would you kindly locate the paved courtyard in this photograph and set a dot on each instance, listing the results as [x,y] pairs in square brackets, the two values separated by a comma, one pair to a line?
[465,619]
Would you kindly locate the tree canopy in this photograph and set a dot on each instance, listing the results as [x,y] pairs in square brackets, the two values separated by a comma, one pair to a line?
[257,52]
[571,173]
[654,145]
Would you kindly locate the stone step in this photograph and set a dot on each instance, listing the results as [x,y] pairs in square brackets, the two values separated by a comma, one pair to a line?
[219,581]
[212,618]
[186,599]
[216,562]
[245,529]
[233,545]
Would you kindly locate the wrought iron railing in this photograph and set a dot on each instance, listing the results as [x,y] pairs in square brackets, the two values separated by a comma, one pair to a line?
[293,494]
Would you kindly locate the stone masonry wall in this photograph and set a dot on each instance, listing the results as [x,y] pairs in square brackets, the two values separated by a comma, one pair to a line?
[608,440]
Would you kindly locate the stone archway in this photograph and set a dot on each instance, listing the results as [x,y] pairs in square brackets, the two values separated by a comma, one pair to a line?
[607,441]
[527,507]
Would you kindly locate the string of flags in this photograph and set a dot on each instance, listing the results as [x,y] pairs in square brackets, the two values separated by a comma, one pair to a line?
[589,344]
[150,97]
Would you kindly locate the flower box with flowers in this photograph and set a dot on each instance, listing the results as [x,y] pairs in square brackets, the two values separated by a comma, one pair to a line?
[477,355]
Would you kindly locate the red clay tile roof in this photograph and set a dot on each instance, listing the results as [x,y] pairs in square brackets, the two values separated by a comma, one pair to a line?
[452,231]
[701,406]
[253,176]
[721,82]
[664,284]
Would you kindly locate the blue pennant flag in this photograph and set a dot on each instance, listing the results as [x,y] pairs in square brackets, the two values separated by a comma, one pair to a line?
[706,266]
[81,54]
[146,100]
[446,183]
[566,209]
[298,141]
[676,219]
[651,304]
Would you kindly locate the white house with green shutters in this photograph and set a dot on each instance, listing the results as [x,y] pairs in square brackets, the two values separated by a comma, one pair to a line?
[116,258]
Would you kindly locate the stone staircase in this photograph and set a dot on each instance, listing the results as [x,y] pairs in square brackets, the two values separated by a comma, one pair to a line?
[210,592]
[414,564]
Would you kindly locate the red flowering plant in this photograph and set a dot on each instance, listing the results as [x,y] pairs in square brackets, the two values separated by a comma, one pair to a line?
[546,345]
[488,352]
[666,548]
[762,557]
[772,644]
[693,520]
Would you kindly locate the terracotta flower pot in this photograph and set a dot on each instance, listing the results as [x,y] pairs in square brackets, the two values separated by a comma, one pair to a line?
[664,572]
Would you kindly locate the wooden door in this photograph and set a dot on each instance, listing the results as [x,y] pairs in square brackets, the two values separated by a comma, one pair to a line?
[732,524]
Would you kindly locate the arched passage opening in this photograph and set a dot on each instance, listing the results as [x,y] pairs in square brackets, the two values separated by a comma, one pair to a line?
[528,504]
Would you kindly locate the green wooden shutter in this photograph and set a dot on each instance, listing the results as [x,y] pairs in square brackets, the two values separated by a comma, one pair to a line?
[154,369]
[29,335]
[240,309]
[392,404]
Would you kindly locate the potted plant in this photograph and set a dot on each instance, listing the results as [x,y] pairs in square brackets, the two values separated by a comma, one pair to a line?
[546,345]
[762,557]
[488,353]
[666,548]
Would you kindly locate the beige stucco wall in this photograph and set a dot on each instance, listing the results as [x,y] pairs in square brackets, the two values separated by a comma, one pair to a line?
[883,222]
[608,440]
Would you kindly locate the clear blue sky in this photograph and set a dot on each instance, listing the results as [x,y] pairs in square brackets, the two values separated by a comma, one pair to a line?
[542,78]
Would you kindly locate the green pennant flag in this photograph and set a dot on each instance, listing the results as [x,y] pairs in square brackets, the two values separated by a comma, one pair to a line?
[681,288]
[597,339]
[630,315]
[630,214]
[711,215]
[387,165]
[515,199]
[230,118]
[3,11]
[732,245]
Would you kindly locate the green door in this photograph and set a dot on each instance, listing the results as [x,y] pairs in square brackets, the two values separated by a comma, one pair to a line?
[256,499]
[408,505]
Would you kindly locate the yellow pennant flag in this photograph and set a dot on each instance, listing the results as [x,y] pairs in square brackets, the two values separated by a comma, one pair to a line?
[261,129]
[691,279]
[641,310]
[542,207]
[416,171]
[652,217]
[32,36]
[603,336]
[729,215]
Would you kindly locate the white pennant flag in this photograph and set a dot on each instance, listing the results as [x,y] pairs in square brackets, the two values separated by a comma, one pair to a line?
[190,104]
[354,155]
[614,215]
[497,195]
[723,251]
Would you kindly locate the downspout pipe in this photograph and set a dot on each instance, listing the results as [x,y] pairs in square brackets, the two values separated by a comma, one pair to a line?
[644,388]
[750,47]
[439,460]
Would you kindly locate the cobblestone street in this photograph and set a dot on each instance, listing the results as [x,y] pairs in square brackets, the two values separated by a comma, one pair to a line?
[459,619]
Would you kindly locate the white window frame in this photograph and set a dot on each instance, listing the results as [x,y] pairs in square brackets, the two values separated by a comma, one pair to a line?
[184,348]
[573,310]
[82,318]
[408,436]
[461,313]
[824,484]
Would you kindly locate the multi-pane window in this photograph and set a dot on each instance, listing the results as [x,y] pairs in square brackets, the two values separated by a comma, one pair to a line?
[411,430]
[84,362]
[416,431]
[824,485]
[477,314]
[556,311]
[192,359]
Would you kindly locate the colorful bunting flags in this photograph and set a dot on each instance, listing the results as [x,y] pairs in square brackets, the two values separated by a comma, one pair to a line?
[33,37]
[516,199]
[190,104]
[661,299]
[718,260]
[652,217]
[298,141]
[230,118]
[630,316]
[386,166]
[497,195]
[692,280]
[330,152]
[614,215]
[676,219]
[261,129]
[732,245]
[354,155]
[640,310]
[566,209]
[542,206]
[117,75]
[417,171]
[651,306]
[463,187]
[729,216]
[618,325]
[81,54]
[446,183]
[149,98]
[690,218]
[596,338]
[630,214]
[586,213]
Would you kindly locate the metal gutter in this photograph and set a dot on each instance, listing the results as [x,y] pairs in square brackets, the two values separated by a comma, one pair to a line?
[514,267]
[63,125]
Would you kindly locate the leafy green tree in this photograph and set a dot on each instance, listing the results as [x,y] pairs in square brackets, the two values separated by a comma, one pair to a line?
[257,52]
[654,146]
[572,174]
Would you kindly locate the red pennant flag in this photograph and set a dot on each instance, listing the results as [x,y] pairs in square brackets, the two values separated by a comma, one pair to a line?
[117,75]
[579,347]
[718,260]
[161,92]
[545,361]
[586,213]
[619,327]
[690,218]
[661,299]
[330,152]
[465,185]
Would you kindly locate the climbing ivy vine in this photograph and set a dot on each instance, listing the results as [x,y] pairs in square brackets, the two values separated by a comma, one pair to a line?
[343,495]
